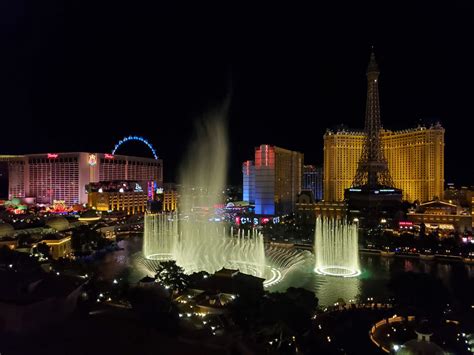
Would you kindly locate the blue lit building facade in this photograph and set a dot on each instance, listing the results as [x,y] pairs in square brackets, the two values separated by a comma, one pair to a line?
[273,180]
[248,183]
[313,180]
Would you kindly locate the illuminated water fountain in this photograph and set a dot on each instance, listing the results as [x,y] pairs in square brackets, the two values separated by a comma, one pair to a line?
[160,235]
[194,240]
[209,246]
[203,245]
[336,248]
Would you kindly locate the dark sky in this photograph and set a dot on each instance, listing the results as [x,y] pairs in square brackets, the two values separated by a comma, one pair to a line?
[79,75]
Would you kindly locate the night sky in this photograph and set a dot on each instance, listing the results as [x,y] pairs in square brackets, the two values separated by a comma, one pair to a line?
[79,75]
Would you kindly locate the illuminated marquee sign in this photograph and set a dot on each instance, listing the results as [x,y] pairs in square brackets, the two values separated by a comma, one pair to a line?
[52,156]
[108,156]
[151,190]
[256,221]
[59,206]
[92,159]
[405,224]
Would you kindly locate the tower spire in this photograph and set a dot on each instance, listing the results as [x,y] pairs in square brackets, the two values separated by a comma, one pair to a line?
[372,170]
[373,66]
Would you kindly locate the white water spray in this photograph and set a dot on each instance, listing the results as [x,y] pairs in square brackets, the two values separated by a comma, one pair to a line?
[336,248]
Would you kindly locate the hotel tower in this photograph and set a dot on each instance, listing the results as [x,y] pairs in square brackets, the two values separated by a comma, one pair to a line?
[415,157]
[273,180]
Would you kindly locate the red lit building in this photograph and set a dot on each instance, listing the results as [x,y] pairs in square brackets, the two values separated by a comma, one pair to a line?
[276,181]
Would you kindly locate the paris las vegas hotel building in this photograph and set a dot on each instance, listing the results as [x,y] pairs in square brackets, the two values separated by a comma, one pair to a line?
[415,158]
[64,176]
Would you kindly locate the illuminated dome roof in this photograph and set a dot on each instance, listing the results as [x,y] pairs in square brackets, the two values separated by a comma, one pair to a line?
[417,347]
[89,216]
[15,201]
[6,229]
[59,223]
[422,345]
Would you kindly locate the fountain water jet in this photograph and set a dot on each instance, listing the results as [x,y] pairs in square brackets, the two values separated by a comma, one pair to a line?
[203,246]
[160,235]
[213,247]
[336,248]
[195,242]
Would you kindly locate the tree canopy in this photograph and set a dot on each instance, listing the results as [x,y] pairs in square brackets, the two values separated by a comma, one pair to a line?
[172,275]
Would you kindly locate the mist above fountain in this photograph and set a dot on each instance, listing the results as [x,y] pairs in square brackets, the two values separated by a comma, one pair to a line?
[195,242]
[336,248]
[192,238]
[203,244]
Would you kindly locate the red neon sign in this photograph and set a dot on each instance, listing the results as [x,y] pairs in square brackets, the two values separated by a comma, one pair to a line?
[52,156]
[108,156]
[266,155]
[247,167]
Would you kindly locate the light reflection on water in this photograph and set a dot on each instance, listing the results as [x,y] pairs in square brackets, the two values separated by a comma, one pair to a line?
[328,289]
[376,271]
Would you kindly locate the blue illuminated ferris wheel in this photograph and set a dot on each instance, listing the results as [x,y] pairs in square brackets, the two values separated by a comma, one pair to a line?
[135,138]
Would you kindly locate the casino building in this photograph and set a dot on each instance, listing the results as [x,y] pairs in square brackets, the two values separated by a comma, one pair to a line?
[415,159]
[313,180]
[64,176]
[121,195]
[273,180]
[410,160]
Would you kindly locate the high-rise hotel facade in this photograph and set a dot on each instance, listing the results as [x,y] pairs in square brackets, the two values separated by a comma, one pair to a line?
[313,180]
[273,180]
[415,159]
[248,186]
[64,176]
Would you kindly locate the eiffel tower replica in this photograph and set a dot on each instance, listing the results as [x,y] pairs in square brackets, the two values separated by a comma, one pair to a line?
[372,198]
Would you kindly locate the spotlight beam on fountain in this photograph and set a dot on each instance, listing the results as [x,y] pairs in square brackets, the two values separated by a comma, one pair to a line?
[336,248]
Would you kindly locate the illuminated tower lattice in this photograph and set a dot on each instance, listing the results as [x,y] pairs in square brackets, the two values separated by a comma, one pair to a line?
[372,169]
[372,198]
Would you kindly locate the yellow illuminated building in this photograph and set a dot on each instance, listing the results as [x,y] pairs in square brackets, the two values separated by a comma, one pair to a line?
[129,201]
[117,195]
[170,200]
[415,159]
[59,248]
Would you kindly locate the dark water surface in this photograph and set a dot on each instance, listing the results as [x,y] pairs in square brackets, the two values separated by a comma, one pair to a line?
[376,271]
